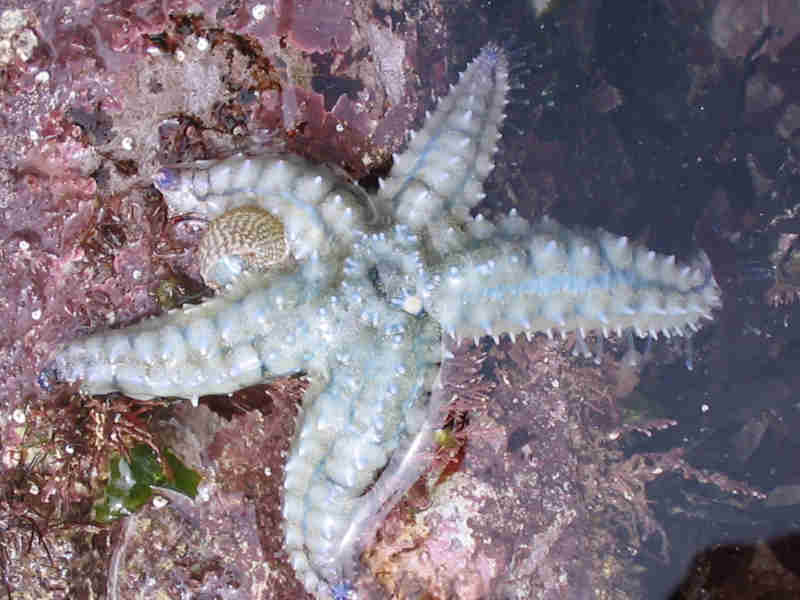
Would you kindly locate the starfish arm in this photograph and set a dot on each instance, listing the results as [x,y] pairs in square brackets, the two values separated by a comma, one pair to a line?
[225,344]
[353,430]
[439,177]
[319,211]
[528,281]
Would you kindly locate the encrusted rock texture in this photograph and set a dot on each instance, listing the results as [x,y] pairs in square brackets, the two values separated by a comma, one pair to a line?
[98,96]
[558,474]
[109,93]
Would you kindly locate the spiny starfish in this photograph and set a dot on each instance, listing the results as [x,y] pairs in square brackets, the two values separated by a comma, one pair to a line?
[357,291]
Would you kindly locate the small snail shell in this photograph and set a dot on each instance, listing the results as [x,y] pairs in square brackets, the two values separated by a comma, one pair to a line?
[243,240]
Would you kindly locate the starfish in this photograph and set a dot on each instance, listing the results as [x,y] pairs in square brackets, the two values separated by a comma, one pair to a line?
[366,295]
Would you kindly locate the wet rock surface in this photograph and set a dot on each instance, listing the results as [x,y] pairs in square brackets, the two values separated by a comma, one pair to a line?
[556,484]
